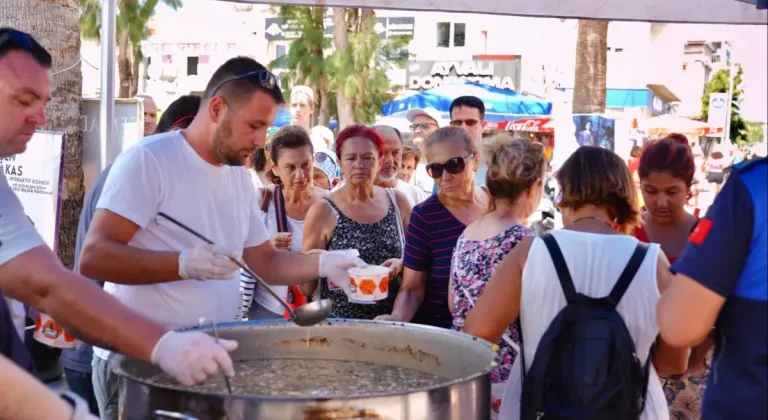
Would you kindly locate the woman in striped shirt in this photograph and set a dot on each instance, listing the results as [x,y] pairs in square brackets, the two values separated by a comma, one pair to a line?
[436,225]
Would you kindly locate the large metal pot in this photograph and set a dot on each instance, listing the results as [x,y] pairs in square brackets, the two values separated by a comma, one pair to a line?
[465,360]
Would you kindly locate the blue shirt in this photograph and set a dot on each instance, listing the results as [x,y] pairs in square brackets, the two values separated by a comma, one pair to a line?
[727,255]
[79,359]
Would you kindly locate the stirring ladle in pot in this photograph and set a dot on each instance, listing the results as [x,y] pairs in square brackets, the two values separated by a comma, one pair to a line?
[305,316]
[201,322]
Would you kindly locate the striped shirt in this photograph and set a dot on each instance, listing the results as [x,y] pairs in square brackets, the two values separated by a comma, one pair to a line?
[432,235]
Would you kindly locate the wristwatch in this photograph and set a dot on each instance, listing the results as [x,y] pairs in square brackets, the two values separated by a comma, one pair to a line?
[80,409]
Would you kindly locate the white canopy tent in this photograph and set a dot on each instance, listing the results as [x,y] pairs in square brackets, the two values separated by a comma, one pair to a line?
[678,11]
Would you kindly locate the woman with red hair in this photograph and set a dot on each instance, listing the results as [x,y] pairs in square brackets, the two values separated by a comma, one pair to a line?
[362,216]
[666,172]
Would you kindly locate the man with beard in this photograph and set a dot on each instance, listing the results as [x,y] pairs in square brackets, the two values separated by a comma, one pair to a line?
[195,176]
[31,272]
[390,165]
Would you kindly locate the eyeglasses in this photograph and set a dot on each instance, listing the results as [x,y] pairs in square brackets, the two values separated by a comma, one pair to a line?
[321,157]
[266,79]
[12,38]
[421,126]
[453,166]
[471,122]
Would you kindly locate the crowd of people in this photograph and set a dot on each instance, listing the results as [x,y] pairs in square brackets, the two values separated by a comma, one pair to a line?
[447,215]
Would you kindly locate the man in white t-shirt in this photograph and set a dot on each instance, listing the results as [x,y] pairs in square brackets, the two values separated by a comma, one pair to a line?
[424,122]
[33,274]
[390,165]
[302,106]
[195,176]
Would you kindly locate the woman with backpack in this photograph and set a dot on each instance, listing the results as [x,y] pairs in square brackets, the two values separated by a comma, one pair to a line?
[587,351]
[666,172]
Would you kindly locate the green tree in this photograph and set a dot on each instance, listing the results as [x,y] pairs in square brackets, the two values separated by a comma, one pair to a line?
[360,63]
[754,132]
[719,84]
[132,19]
[305,63]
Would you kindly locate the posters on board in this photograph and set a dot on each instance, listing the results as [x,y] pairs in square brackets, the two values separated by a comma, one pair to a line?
[36,178]
[595,130]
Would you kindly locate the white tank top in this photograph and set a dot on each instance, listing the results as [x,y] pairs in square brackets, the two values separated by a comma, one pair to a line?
[595,262]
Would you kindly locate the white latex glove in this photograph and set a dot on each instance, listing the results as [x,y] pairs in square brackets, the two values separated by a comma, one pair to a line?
[334,266]
[208,262]
[192,357]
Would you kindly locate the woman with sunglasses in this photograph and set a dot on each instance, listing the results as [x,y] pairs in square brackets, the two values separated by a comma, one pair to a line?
[362,216]
[435,227]
[284,208]
[326,172]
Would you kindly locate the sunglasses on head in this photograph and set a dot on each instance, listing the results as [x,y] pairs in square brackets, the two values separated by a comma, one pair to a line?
[321,157]
[266,79]
[453,166]
[470,122]
[11,38]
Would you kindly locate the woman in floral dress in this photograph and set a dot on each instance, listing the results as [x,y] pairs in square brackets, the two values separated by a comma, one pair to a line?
[514,181]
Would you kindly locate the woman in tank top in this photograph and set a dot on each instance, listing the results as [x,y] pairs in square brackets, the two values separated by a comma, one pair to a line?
[596,194]
[361,216]
[666,173]
[288,202]
[514,182]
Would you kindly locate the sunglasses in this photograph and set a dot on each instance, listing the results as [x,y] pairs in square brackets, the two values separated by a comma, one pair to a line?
[266,79]
[11,38]
[321,157]
[471,122]
[421,126]
[453,166]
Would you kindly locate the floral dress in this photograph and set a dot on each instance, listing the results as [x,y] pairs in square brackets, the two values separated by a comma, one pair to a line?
[471,268]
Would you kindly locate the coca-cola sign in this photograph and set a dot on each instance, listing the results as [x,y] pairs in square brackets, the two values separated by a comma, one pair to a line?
[532,125]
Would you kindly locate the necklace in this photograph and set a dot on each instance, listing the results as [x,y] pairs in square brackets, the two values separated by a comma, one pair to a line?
[599,219]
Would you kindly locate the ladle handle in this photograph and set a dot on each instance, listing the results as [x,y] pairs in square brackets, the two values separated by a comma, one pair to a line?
[236,261]
[163,414]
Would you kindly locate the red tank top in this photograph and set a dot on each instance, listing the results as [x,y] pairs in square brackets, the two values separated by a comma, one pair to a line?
[641,236]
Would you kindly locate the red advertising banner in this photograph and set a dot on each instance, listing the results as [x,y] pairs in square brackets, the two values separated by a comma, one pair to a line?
[531,125]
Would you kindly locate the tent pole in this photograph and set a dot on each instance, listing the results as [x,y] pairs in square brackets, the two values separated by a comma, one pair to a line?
[107,125]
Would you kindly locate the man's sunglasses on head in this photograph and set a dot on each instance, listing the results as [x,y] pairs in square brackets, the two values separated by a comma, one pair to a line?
[13,39]
[453,166]
[266,79]
[470,122]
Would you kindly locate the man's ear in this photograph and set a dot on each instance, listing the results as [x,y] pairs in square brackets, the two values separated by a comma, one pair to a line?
[217,108]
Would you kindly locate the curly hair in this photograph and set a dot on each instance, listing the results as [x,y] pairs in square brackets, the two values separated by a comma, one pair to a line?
[514,166]
[670,154]
[596,176]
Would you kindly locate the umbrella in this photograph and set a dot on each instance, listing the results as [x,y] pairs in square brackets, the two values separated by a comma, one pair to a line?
[500,104]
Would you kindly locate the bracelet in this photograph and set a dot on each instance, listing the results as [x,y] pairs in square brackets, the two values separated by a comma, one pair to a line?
[80,409]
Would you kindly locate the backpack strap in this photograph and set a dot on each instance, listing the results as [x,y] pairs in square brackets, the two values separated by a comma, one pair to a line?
[628,274]
[566,282]
[266,198]
[280,213]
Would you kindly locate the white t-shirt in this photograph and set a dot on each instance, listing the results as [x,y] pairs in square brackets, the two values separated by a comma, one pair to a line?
[261,296]
[422,179]
[17,236]
[164,174]
[414,194]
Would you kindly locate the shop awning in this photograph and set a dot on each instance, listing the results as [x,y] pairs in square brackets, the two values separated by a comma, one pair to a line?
[667,124]
[683,11]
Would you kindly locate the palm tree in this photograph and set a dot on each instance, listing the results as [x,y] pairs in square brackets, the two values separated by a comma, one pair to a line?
[304,64]
[591,67]
[132,19]
[360,65]
[55,24]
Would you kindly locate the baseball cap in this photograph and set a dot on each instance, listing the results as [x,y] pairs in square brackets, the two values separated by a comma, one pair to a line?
[306,90]
[326,161]
[429,112]
[322,137]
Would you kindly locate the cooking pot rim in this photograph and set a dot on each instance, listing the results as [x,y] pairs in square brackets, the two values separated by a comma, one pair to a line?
[118,359]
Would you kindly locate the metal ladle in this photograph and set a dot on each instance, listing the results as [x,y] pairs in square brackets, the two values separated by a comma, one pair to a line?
[305,316]
[201,322]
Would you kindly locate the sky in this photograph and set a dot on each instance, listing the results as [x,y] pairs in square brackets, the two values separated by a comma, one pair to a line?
[750,49]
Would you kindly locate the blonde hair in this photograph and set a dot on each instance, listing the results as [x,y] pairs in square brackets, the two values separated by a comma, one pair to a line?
[514,166]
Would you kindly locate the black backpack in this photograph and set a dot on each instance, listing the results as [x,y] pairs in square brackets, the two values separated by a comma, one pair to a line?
[586,366]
